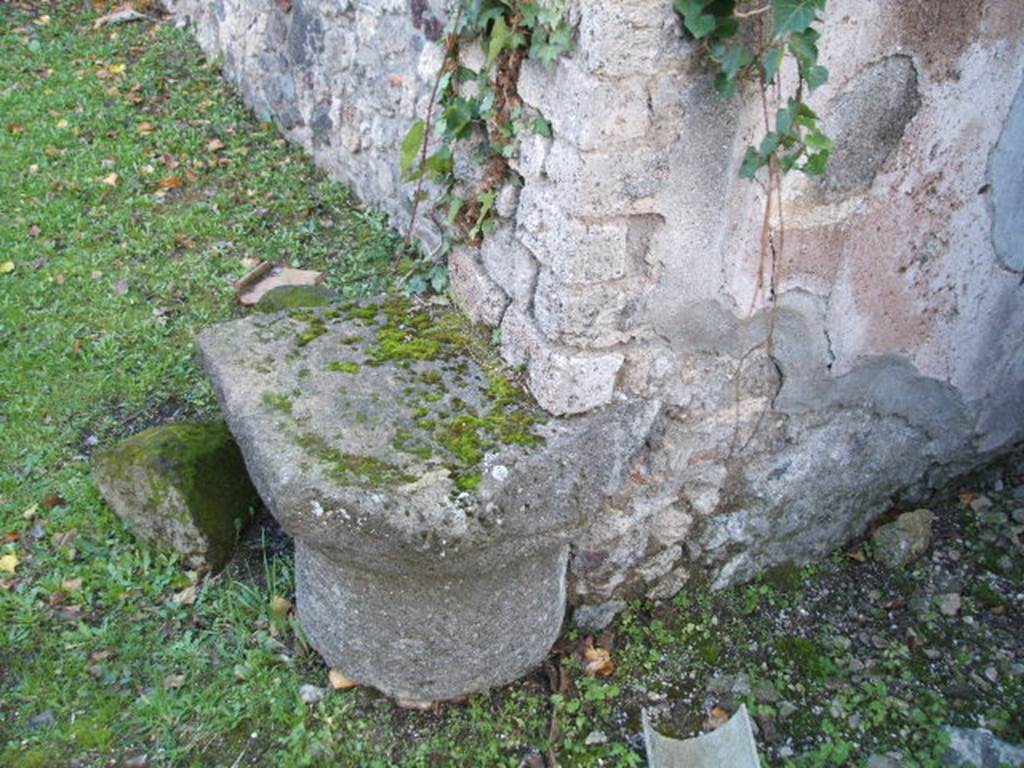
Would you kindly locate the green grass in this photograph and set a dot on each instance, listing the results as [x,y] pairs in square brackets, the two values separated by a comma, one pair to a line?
[111,281]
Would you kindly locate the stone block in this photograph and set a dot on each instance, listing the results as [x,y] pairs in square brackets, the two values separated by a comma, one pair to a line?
[181,487]
[629,37]
[565,382]
[589,315]
[509,264]
[589,112]
[577,252]
[479,297]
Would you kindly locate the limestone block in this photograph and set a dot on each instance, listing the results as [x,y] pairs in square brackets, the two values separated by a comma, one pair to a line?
[181,487]
[431,499]
[628,37]
[566,382]
[509,264]
[576,251]
[584,109]
[481,299]
[588,315]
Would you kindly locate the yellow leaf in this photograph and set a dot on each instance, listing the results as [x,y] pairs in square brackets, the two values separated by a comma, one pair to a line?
[281,605]
[6,267]
[8,563]
[117,69]
[340,681]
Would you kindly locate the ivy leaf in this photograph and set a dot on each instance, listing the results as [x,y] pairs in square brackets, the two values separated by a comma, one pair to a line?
[789,16]
[725,85]
[458,117]
[542,127]
[733,58]
[753,161]
[818,141]
[700,25]
[689,7]
[502,39]
[439,164]
[772,62]
[817,163]
[769,144]
[816,77]
[804,46]
[412,145]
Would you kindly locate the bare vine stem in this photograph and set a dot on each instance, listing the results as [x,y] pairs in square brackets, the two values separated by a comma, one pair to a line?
[451,46]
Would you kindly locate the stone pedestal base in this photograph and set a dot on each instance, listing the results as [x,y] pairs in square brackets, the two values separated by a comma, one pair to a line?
[431,638]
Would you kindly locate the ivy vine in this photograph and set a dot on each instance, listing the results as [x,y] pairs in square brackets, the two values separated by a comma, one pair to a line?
[795,140]
[484,102]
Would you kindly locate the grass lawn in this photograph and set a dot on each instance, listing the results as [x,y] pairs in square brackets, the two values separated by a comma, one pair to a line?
[134,188]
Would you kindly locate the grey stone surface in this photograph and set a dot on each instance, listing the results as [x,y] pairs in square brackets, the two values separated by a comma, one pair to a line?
[904,539]
[867,120]
[979,748]
[433,502]
[1006,175]
[181,487]
[594,618]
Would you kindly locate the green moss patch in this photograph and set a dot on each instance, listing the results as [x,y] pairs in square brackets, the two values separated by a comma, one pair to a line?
[289,297]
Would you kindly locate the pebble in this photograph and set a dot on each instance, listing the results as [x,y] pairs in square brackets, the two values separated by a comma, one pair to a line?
[949,603]
[311,694]
[44,719]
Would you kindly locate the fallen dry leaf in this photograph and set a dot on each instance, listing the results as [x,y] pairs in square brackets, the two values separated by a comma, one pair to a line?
[52,500]
[187,596]
[215,145]
[170,182]
[6,267]
[111,179]
[340,681]
[15,128]
[71,585]
[717,717]
[9,563]
[145,127]
[174,681]
[598,661]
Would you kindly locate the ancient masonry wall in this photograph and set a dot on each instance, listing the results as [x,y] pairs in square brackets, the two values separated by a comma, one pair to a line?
[626,263]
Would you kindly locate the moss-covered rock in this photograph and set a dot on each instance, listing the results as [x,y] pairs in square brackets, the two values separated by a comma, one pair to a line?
[182,487]
[286,297]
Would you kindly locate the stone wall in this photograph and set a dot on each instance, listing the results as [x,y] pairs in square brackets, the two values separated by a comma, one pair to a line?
[626,262]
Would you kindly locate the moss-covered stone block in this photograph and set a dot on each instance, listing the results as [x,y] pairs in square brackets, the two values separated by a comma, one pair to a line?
[287,297]
[182,487]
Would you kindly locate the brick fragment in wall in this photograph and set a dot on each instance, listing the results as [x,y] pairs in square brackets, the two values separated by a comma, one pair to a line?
[576,251]
[509,264]
[586,110]
[630,37]
[477,295]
